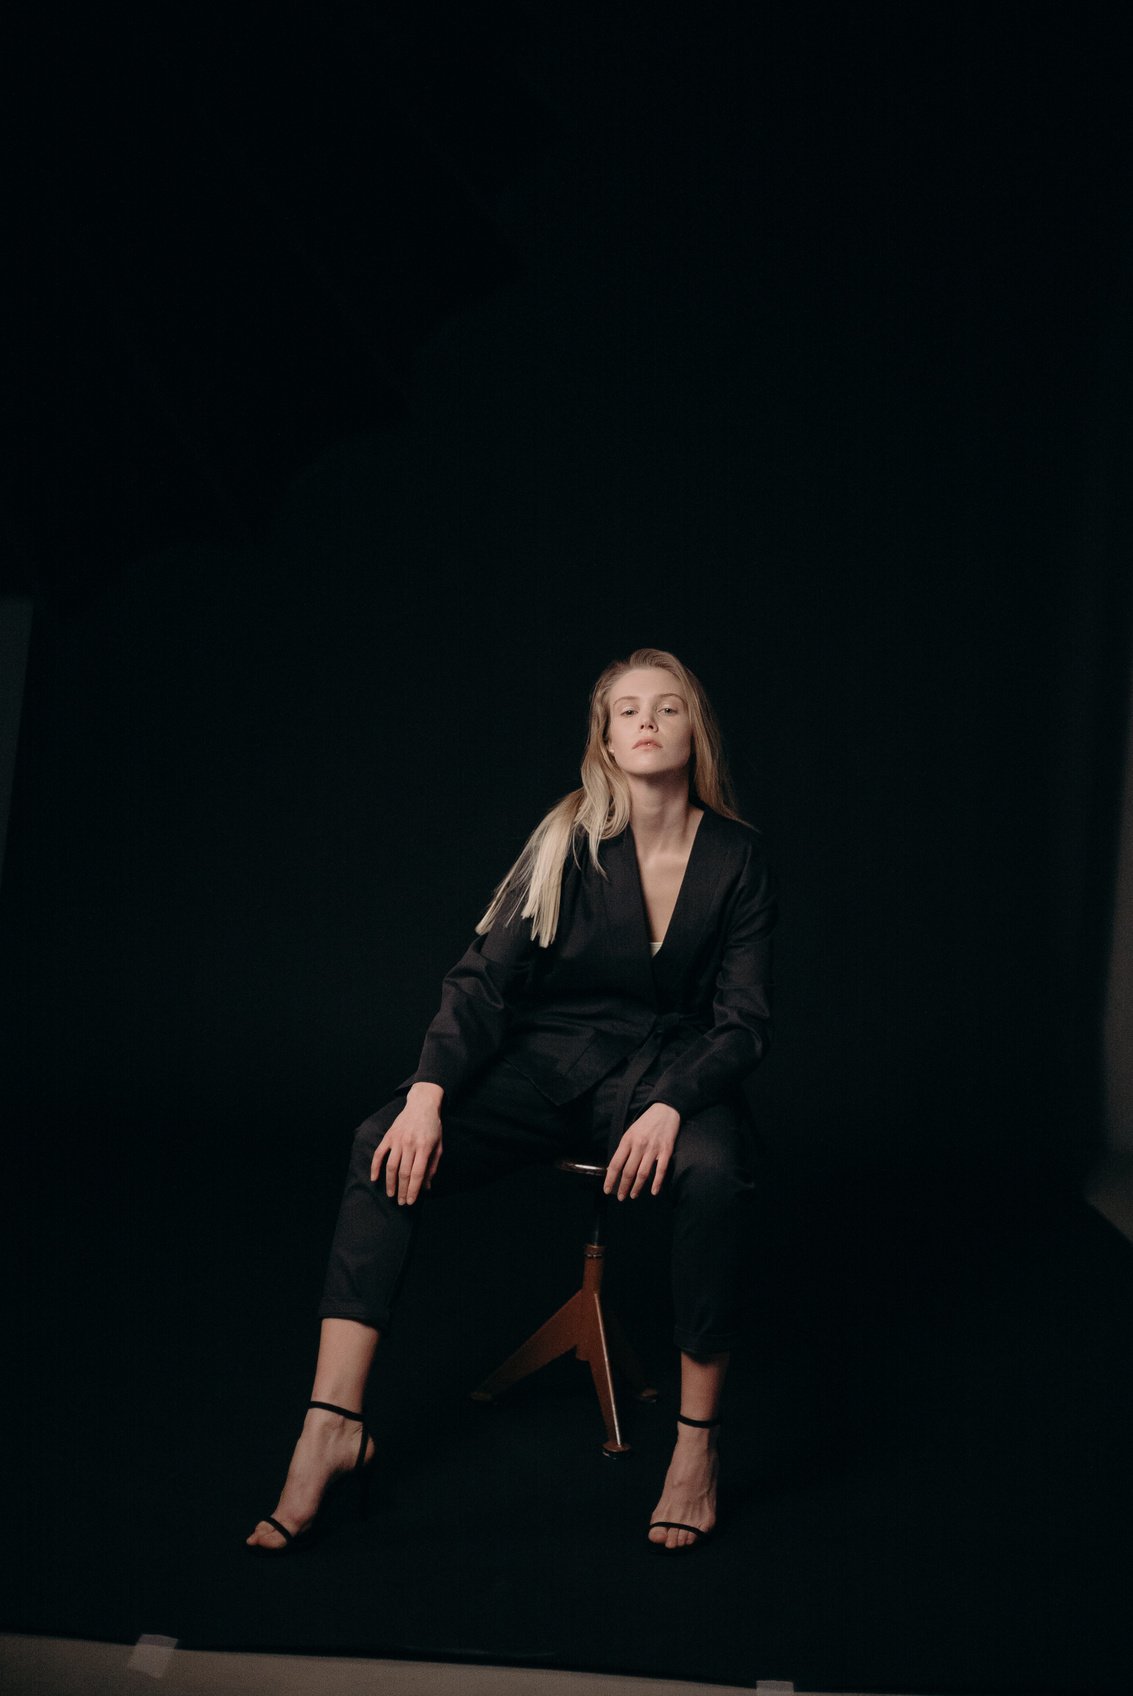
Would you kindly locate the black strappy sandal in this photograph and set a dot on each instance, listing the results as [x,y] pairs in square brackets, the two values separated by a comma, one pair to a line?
[698,1532]
[296,1540]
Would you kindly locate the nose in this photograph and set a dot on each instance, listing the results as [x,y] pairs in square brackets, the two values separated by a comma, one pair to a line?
[646,722]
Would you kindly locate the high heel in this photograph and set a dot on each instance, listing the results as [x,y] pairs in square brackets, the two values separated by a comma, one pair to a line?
[359,1477]
[698,1531]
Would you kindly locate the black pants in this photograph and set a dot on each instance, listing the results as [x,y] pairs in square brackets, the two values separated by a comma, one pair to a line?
[502,1122]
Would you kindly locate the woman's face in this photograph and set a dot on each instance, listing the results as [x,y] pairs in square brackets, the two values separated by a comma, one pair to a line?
[650,732]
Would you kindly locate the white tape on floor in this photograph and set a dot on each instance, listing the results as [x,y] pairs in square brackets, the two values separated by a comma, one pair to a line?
[152,1655]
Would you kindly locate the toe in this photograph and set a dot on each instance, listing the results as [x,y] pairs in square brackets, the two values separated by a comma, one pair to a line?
[265,1536]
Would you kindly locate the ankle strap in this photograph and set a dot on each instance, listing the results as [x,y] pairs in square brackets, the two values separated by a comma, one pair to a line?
[331,1408]
[701,1424]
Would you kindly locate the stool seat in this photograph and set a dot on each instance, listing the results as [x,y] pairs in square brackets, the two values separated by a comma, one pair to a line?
[581,1169]
[584,1325]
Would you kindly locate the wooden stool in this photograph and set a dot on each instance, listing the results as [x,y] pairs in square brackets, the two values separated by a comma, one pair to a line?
[583,1325]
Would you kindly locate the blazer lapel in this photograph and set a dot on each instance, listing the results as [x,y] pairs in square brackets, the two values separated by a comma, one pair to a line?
[628,926]
[695,904]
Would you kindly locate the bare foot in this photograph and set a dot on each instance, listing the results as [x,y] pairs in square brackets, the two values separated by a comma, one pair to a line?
[327,1446]
[689,1491]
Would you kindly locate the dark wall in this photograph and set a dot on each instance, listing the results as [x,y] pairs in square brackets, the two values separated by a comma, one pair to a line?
[793,343]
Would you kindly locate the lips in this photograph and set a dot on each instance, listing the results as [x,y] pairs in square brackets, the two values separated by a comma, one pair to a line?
[647,743]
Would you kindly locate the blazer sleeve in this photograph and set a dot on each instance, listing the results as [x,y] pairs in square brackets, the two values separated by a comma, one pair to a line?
[477,998]
[717,1062]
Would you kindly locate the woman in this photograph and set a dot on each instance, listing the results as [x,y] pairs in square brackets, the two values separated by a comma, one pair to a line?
[618,988]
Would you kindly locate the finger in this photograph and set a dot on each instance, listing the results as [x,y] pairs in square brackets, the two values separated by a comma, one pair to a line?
[379,1155]
[614,1170]
[404,1174]
[416,1176]
[659,1176]
[629,1173]
[642,1177]
[393,1164]
[434,1162]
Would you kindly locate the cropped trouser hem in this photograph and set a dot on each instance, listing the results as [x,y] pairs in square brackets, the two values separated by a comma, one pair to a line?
[343,1310]
[721,1343]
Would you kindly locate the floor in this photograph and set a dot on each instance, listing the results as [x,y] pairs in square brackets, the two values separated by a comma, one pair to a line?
[927,1467]
[33,1665]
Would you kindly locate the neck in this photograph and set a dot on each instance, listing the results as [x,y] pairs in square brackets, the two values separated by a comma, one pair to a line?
[660,813]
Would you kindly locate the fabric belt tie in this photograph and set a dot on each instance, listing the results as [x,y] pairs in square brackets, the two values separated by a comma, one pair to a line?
[640,1061]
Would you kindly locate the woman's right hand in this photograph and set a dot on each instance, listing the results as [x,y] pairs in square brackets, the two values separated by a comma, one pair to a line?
[411,1148]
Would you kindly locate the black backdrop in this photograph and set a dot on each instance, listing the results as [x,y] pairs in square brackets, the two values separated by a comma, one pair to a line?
[797,344]
[386,372]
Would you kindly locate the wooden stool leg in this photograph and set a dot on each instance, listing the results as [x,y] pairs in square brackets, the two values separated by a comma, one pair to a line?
[597,1357]
[596,1338]
[593,1348]
[553,1338]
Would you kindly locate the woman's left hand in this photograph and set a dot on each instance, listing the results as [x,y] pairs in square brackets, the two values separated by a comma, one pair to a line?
[647,1145]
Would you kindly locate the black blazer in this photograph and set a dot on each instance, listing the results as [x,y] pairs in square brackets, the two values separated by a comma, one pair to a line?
[567,1014]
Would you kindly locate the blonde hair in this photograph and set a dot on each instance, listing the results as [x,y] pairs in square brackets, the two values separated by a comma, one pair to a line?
[600,809]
